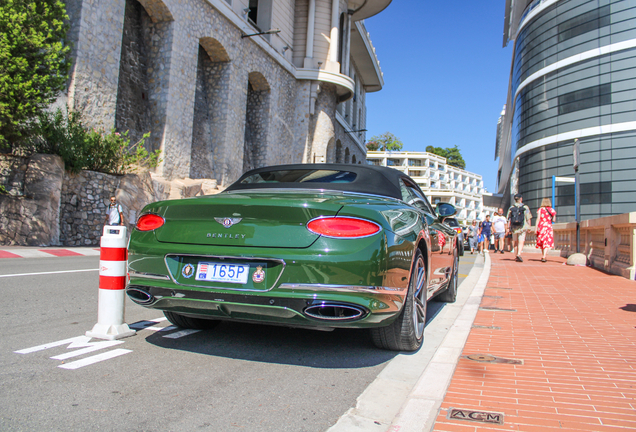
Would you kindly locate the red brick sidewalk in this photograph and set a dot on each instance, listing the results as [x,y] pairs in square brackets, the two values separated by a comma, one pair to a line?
[575,330]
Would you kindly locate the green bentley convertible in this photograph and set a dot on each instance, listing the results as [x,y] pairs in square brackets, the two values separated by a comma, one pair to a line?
[314,245]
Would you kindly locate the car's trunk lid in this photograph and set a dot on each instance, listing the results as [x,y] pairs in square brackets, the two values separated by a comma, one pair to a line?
[254,219]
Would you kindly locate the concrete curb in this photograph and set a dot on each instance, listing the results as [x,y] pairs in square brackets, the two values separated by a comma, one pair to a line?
[407,394]
[46,252]
[421,410]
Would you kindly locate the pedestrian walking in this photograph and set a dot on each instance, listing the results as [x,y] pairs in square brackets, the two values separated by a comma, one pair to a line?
[545,234]
[500,225]
[519,222]
[114,213]
[486,230]
[473,237]
[508,240]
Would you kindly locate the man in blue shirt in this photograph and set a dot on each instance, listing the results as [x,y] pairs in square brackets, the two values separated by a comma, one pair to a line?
[486,228]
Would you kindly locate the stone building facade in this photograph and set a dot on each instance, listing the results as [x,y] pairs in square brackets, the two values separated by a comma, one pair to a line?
[217,96]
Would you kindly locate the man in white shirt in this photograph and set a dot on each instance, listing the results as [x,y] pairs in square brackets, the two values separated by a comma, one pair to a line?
[114,213]
[499,223]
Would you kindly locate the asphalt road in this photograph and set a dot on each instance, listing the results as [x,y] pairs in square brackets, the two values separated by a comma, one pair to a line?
[234,377]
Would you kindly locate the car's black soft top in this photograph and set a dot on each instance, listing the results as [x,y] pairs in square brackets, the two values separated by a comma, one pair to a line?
[371,179]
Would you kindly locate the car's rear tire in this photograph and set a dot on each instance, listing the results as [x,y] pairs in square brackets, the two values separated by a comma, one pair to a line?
[189,322]
[460,247]
[449,295]
[406,333]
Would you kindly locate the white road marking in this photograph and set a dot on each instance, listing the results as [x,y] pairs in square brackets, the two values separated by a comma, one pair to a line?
[95,359]
[86,346]
[29,253]
[95,346]
[47,273]
[80,342]
[53,344]
[181,333]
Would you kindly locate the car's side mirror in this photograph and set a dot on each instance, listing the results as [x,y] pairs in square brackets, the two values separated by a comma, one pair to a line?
[445,210]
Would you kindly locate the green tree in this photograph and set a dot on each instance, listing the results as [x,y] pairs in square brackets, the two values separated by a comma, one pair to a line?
[34,63]
[452,154]
[385,142]
[372,145]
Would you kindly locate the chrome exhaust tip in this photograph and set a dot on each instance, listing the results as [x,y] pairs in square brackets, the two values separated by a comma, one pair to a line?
[140,296]
[329,311]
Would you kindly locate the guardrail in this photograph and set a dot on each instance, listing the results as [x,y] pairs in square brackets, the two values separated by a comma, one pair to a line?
[608,242]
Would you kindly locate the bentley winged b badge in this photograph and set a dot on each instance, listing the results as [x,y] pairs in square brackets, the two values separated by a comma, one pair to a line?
[227,222]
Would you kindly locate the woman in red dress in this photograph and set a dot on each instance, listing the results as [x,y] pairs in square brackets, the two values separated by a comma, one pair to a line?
[545,235]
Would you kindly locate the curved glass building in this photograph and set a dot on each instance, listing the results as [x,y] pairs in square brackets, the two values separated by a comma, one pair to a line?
[573,76]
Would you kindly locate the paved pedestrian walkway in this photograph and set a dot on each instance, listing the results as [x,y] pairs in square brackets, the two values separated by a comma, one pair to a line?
[552,347]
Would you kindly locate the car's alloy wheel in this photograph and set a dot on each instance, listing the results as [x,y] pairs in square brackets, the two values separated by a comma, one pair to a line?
[189,322]
[406,333]
[449,295]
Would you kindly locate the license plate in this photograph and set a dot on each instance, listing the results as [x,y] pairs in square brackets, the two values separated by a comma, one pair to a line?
[222,272]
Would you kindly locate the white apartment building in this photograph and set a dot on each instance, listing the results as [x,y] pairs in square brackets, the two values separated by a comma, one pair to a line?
[439,181]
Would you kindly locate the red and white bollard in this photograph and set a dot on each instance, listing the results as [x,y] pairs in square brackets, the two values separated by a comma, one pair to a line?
[112,281]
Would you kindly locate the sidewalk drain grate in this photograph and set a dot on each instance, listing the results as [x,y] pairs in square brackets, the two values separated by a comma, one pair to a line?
[486,327]
[486,308]
[504,288]
[475,416]
[495,297]
[485,358]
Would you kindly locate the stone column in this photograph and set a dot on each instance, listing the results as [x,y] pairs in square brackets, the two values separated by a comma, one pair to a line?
[178,99]
[95,73]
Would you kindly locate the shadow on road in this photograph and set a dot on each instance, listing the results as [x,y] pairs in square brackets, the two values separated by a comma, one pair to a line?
[341,348]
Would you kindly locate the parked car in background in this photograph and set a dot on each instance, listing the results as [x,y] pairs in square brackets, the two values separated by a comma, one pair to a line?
[314,245]
[452,222]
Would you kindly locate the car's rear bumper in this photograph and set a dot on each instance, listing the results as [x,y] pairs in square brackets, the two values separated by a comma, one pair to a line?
[302,305]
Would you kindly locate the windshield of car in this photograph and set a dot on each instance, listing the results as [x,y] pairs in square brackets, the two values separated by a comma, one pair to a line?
[301,176]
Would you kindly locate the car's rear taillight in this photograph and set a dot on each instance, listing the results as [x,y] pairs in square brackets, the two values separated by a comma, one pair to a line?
[149,222]
[343,227]
[459,230]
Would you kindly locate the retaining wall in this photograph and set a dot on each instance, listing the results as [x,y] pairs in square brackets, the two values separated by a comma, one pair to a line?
[46,206]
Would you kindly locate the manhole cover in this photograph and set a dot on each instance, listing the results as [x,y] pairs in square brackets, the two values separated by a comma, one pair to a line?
[475,416]
[481,358]
[486,358]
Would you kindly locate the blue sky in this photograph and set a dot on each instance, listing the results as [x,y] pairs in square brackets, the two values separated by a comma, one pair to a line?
[445,77]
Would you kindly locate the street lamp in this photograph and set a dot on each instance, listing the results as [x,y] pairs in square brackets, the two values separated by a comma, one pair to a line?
[576,157]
